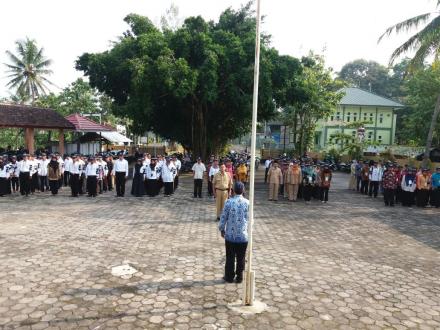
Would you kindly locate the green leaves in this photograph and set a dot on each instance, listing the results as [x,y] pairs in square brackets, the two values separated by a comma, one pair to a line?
[28,70]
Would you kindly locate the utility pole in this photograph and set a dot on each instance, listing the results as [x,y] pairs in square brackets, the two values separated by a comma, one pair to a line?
[250,274]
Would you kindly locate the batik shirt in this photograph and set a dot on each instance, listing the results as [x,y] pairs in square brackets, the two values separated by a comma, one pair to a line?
[234,218]
[389,180]
[435,180]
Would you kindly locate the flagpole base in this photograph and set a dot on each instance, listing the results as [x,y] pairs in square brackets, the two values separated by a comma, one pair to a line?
[256,308]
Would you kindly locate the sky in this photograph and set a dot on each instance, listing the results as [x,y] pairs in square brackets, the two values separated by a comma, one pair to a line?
[341,30]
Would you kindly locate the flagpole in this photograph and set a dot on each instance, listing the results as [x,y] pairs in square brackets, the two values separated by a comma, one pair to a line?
[250,274]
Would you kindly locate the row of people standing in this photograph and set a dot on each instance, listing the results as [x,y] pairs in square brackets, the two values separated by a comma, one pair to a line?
[295,180]
[150,174]
[399,184]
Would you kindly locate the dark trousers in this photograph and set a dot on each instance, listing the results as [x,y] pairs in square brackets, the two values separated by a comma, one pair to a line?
[34,183]
[44,185]
[324,194]
[235,252]
[388,196]
[176,182]
[435,197]
[54,185]
[25,183]
[398,195]
[66,178]
[3,186]
[74,184]
[198,188]
[14,183]
[82,178]
[408,198]
[266,172]
[168,188]
[307,192]
[358,183]
[151,187]
[374,188]
[100,185]
[92,182]
[120,184]
[210,190]
[422,197]
[61,181]
[364,187]
[109,182]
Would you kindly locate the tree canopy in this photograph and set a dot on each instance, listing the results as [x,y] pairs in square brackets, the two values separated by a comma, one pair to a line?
[28,70]
[192,84]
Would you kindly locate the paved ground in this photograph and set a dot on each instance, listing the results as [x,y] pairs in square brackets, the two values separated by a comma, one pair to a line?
[350,264]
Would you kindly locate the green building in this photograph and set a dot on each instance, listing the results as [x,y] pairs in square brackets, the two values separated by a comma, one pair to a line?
[360,105]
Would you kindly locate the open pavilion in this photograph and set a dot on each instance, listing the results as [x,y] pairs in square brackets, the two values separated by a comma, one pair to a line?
[32,118]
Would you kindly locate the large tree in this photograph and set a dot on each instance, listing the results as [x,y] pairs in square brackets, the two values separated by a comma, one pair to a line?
[426,44]
[368,75]
[28,70]
[192,85]
[313,95]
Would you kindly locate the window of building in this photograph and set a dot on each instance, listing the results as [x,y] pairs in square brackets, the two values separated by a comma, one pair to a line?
[371,117]
[379,138]
[332,118]
[355,118]
[338,116]
[348,117]
[365,116]
[381,118]
[370,136]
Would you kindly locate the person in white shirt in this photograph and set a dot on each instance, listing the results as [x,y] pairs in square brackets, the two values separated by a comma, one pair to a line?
[120,171]
[25,167]
[67,169]
[178,165]
[168,173]
[375,177]
[82,175]
[75,173]
[34,173]
[61,162]
[4,178]
[103,171]
[198,171]
[213,170]
[92,171]
[152,174]
[14,173]
[267,164]
[42,173]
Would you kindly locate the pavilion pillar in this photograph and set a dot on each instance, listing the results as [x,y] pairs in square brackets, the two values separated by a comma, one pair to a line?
[61,142]
[29,139]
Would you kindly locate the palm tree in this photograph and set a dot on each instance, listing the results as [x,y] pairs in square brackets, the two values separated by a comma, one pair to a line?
[426,44]
[28,70]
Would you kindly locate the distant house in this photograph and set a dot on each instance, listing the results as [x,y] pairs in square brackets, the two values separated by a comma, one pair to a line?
[356,105]
[360,105]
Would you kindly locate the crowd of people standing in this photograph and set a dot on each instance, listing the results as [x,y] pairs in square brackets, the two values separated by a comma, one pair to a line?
[298,179]
[403,185]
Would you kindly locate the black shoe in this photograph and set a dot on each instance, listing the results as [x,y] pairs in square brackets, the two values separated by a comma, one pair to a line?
[227,280]
[218,219]
[238,280]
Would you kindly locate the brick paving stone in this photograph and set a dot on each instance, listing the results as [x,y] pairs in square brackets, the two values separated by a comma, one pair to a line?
[348,264]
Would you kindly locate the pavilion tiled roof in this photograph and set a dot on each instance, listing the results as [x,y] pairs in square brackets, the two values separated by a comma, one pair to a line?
[23,116]
[83,124]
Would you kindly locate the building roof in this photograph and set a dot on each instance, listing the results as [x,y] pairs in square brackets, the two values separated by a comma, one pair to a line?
[113,137]
[83,124]
[360,97]
[23,116]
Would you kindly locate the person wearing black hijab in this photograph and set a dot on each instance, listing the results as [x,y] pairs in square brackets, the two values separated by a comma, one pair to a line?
[137,187]
[54,174]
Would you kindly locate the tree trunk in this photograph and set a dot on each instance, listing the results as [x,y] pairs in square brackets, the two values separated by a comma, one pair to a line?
[431,132]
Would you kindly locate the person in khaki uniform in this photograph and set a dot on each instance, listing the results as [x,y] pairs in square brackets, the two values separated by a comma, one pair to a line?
[222,184]
[292,180]
[275,178]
